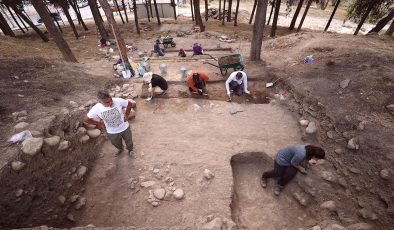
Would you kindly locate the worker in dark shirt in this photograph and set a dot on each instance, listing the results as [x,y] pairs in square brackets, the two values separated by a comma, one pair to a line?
[157,49]
[157,84]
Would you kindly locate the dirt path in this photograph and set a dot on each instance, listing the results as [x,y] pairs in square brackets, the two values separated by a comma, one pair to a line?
[181,138]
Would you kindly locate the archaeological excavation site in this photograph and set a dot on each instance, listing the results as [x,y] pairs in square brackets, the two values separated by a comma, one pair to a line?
[183,115]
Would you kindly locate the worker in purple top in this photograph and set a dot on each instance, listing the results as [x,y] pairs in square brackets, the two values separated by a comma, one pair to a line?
[197,49]
[288,162]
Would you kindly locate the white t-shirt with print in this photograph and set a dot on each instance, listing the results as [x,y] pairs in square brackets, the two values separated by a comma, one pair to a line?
[112,116]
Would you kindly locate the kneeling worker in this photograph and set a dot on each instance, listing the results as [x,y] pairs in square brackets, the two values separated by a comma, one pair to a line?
[197,81]
[237,82]
[157,84]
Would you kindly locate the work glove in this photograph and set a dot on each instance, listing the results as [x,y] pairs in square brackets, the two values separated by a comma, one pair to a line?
[200,91]
[247,91]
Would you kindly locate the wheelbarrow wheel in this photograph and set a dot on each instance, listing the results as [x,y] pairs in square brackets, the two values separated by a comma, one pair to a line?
[165,45]
[223,71]
[173,44]
[239,68]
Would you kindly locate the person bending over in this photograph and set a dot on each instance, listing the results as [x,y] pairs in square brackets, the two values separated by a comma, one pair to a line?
[157,84]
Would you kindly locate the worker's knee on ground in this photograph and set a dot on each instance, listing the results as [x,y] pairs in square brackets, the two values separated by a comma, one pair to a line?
[158,90]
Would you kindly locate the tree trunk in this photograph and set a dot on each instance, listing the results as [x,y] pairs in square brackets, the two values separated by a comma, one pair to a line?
[16,21]
[119,39]
[253,10]
[29,22]
[332,15]
[296,13]
[370,7]
[136,17]
[224,12]
[236,13]
[323,4]
[97,19]
[39,5]
[390,31]
[272,10]
[174,8]
[70,21]
[150,7]
[191,8]
[304,15]
[206,10]
[275,20]
[198,15]
[5,27]
[147,9]
[78,14]
[124,10]
[258,30]
[220,8]
[157,13]
[230,2]
[120,13]
[383,22]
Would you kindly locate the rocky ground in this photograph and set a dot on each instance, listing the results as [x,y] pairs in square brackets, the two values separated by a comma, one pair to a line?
[198,161]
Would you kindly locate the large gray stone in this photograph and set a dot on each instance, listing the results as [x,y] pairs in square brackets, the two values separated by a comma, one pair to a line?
[304,122]
[215,224]
[84,139]
[74,104]
[147,184]
[335,227]
[81,171]
[81,203]
[17,165]
[353,144]
[385,174]
[329,205]
[178,194]
[345,83]
[390,107]
[312,128]
[21,126]
[81,131]
[301,198]
[32,146]
[367,214]
[64,145]
[52,141]
[159,193]
[93,133]
[328,176]
[360,226]
[208,174]
[43,125]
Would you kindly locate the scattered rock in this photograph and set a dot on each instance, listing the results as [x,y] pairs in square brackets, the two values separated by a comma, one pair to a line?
[178,194]
[147,184]
[16,115]
[345,83]
[168,195]
[110,170]
[90,103]
[301,198]
[317,227]
[17,165]
[81,131]
[169,179]
[354,170]
[74,104]
[81,171]
[64,111]
[32,145]
[43,124]
[342,182]
[385,174]
[336,227]
[155,203]
[353,144]
[360,226]
[361,125]
[390,107]
[159,193]
[93,133]
[64,145]
[70,217]
[156,171]
[90,126]
[196,107]
[339,151]
[21,126]
[330,205]
[311,128]
[328,176]
[52,141]
[367,214]
[62,199]
[208,174]
[74,198]
[19,192]
[84,139]
[81,203]
[215,224]
[228,224]
[331,134]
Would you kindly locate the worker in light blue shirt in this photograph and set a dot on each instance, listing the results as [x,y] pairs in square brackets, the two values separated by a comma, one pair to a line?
[237,82]
[288,162]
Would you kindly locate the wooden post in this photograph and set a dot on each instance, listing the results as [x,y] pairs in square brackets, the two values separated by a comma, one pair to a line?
[272,10]
[97,19]
[236,13]
[370,7]
[332,15]
[295,16]
[258,30]
[253,10]
[304,15]
[275,21]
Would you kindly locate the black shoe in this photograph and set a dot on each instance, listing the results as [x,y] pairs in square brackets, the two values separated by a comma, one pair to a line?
[131,154]
[263,182]
[118,152]
[277,189]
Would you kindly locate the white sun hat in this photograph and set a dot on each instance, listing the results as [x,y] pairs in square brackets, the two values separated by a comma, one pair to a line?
[147,76]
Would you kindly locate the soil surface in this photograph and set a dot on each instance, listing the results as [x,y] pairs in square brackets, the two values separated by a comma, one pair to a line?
[179,135]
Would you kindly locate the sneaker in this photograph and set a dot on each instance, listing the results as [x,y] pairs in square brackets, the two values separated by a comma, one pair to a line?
[277,190]
[131,154]
[263,182]
[118,152]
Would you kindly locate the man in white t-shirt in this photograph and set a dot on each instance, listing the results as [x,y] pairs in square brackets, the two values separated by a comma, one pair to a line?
[110,112]
[237,82]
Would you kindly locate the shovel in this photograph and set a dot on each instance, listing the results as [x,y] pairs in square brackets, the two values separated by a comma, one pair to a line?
[270,84]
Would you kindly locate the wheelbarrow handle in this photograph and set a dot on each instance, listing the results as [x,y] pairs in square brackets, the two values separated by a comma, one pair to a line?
[211,56]
[211,64]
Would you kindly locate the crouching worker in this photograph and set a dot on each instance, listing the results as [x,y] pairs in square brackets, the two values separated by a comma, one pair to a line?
[288,162]
[157,49]
[110,113]
[197,81]
[197,49]
[157,84]
[237,82]
[182,53]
